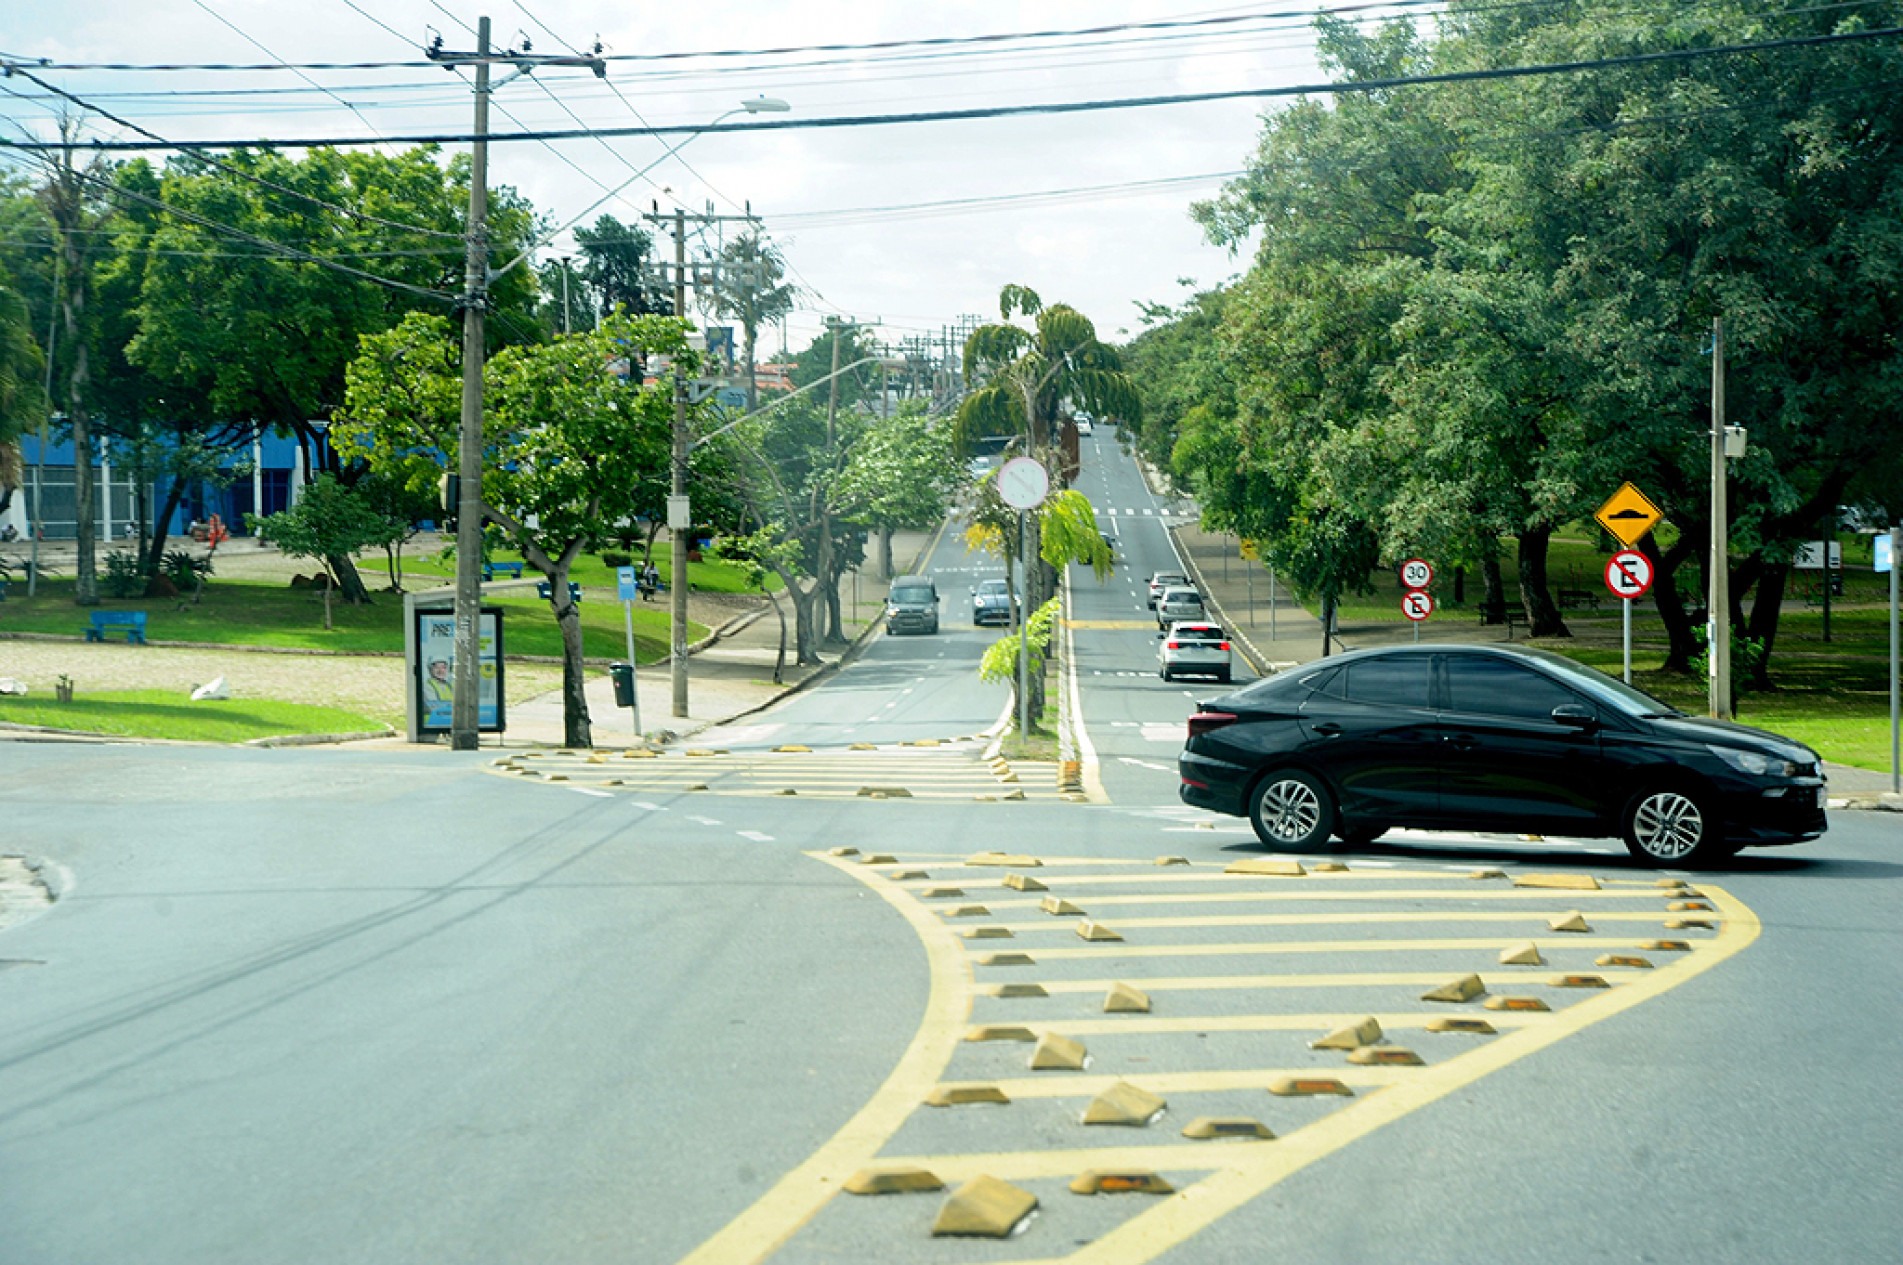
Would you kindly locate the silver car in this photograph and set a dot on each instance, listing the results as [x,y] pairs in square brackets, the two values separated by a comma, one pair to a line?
[1178,603]
[1192,649]
[1161,580]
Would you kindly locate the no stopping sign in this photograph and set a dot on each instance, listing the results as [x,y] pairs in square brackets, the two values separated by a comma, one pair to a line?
[1628,574]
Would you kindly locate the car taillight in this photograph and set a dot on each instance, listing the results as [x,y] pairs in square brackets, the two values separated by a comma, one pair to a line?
[1207,722]
[1173,645]
[1223,646]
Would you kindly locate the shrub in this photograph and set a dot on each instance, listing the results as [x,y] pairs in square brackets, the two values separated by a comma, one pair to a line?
[124,576]
[184,570]
[612,558]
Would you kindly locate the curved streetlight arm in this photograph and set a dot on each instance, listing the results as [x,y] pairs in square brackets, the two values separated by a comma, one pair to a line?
[785,399]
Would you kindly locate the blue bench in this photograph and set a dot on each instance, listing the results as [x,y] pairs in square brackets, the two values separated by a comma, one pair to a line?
[490,570]
[132,623]
[574,591]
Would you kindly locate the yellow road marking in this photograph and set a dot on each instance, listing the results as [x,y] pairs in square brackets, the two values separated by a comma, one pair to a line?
[1141,1024]
[1493,945]
[1212,872]
[1362,979]
[1166,1083]
[1354,916]
[1180,1216]
[1302,894]
[1030,1165]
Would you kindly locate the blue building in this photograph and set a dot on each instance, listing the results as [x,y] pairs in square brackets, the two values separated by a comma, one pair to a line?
[265,477]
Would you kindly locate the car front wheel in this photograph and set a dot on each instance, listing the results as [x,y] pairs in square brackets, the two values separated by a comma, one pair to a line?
[1671,827]
[1292,810]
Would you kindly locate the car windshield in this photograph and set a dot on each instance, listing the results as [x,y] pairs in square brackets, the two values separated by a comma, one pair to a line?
[1607,689]
[911,593]
[992,588]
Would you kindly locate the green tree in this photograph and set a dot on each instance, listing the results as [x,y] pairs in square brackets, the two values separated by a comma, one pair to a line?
[750,286]
[901,474]
[618,269]
[328,521]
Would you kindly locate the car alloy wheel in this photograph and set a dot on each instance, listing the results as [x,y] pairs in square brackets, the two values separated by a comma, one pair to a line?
[1292,810]
[1667,827]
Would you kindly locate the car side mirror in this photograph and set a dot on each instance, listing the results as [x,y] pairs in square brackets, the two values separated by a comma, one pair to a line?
[1574,716]
[973,590]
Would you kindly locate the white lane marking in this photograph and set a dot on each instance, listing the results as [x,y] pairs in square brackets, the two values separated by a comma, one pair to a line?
[1144,764]
[705,821]
[582,790]
[756,836]
[652,808]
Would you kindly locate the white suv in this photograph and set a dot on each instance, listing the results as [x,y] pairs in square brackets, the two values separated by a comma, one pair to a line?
[1162,580]
[1190,649]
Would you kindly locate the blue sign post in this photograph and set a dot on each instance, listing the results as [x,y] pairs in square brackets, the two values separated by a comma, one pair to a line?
[628,588]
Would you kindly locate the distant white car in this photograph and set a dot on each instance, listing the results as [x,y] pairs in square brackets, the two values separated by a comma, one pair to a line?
[1179,603]
[1084,426]
[1194,649]
[1161,580]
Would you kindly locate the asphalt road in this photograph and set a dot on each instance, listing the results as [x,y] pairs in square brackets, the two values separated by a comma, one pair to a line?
[307,1005]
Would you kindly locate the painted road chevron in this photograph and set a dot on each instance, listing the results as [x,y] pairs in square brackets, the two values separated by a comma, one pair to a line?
[943,770]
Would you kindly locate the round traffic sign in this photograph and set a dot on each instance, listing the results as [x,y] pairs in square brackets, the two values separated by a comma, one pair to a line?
[1023,483]
[1628,574]
[1417,605]
[1417,573]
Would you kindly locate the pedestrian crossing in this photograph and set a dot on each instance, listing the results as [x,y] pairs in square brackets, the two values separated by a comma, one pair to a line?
[928,769]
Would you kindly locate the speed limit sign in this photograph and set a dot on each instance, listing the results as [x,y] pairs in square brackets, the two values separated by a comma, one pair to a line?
[1628,574]
[1417,605]
[1416,574]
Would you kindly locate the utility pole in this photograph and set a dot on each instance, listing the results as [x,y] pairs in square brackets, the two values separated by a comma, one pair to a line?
[465,685]
[1718,615]
[38,526]
[565,319]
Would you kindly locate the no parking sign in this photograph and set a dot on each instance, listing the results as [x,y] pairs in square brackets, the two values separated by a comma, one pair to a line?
[1628,574]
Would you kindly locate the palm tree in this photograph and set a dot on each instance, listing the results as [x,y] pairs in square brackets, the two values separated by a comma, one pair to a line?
[750,286]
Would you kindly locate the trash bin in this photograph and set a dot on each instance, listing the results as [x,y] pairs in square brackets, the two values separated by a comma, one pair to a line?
[623,674]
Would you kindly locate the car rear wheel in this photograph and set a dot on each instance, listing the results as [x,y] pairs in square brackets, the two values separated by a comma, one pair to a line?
[1667,826]
[1292,810]
[1164,673]
[1223,676]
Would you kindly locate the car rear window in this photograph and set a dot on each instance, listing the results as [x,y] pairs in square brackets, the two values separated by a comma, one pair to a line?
[1196,633]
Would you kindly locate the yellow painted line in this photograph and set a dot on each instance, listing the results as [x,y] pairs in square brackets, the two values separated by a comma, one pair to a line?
[1055,1085]
[1355,916]
[1031,1165]
[1212,872]
[773,1218]
[1172,1220]
[1302,895]
[1596,943]
[1362,979]
[1137,1025]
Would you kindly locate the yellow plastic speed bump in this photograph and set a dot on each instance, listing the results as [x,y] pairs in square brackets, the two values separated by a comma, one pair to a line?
[1385,1056]
[1579,981]
[1024,883]
[1688,924]
[786,790]
[1096,931]
[842,852]
[1123,999]
[892,1181]
[695,786]
[906,876]
[1622,959]
[1120,1181]
[1527,954]
[924,742]
[1484,874]
[985,1208]
[884,792]
[997,1032]
[640,753]
[1327,867]
[792,746]
[1688,906]
[962,1095]
[1687,893]
[1569,882]
[597,758]
[1350,1036]
[1125,1104]
[1670,882]
[1056,1053]
[941,893]
[1073,797]
[1004,858]
[1172,861]
[1014,795]
[1264,865]
[1007,959]
[987,933]
[1574,921]
[1466,988]
[1017,990]
[1309,1086]
[1206,1128]
[1667,946]
[879,858]
[863,746]
[700,751]
[556,777]
[1449,1024]
[1515,1003]
[967,911]
[1058,906]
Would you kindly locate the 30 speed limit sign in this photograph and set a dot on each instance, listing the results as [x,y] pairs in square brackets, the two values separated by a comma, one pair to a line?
[1416,573]
[1628,574]
[1417,606]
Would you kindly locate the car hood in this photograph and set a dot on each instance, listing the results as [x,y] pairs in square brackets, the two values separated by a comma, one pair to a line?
[1729,733]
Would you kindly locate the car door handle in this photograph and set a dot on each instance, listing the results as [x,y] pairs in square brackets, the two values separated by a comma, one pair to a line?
[1328,729]
[1463,742]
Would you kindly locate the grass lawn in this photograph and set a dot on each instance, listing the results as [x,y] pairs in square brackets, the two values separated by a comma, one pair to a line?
[589,571]
[234,613]
[162,714]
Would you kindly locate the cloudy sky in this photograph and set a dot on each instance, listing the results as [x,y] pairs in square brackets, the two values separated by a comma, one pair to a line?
[860,212]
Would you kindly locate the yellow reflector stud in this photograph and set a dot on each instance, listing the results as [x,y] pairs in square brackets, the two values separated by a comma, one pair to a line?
[1125,1104]
[1096,931]
[1688,906]
[1667,946]
[987,933]
[1056,1053]
[967,911]
[962,1095]
[879,858]
[1350,1036]
[1574,921]
[1172,861]
[1309,1087]
[1385,1056]
[985,1208]
[941,893]
[1058,906]
[906,876]
[888,792]
[1527,954]
[1515,1003]
[1024,883]
[1688,924]
[1017,990]
[1621,959]
[1263,865]
[1123,999]
[1209,1128]
[1579,981]
[1444,1024]
[1486,874]
[994,1032]
[1007,959]
[1120,1181]
[891,1181]
[792,746]
[1466,988]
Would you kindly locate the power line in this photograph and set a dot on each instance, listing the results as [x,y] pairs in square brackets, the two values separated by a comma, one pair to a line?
[1052,108]
[246,36]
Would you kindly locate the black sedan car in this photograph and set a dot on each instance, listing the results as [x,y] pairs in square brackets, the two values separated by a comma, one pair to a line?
[1500,738]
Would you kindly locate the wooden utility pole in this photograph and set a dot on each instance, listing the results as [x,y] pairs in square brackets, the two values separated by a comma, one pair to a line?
[1718,615]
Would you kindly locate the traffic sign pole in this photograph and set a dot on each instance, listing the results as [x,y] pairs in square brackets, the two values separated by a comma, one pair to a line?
[1626,619]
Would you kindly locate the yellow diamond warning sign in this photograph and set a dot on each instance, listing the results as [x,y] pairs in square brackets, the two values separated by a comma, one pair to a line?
[1628,514]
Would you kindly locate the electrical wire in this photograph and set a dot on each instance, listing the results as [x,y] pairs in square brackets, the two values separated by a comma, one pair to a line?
[246,36]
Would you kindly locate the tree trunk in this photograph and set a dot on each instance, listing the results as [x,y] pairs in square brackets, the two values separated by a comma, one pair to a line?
[1765,609]
[1680,645]
[779,660]
[575,729]
[155,550]
[885,553]
[330,586]
[1328,624]
[1493,599]
[348,581]
[1542,615]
